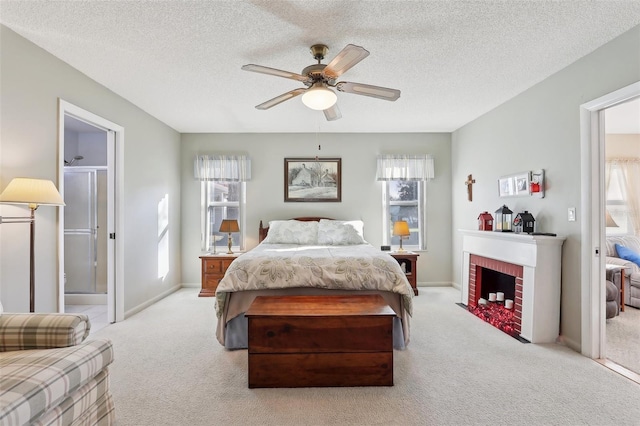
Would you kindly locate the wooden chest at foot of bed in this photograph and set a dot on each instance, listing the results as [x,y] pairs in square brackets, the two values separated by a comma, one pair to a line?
[311,341]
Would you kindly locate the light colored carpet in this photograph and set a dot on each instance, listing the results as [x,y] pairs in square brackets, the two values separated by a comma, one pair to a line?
[457,370]
[623,339]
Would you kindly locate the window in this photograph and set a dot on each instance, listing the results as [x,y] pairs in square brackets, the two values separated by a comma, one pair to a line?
[403,196]
[221,200]
[222,196]
[404,200]
[618,222]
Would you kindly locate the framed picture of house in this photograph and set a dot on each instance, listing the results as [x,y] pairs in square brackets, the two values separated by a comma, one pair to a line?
[312,180]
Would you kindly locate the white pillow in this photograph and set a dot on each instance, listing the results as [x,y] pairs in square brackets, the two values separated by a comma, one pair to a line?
[340,232]
[292,232]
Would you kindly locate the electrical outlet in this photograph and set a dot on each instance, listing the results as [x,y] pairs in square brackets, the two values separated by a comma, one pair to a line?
[571,214]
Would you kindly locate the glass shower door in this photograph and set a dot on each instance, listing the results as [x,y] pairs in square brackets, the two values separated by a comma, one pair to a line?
[80,231]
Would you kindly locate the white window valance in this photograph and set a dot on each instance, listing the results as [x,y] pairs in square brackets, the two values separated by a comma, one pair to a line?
[226,168]
[405,167]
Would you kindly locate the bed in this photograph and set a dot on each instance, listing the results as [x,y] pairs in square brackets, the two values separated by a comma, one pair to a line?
[310,256]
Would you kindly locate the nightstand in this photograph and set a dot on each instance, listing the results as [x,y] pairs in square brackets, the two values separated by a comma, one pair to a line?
[410,261]
[213,268]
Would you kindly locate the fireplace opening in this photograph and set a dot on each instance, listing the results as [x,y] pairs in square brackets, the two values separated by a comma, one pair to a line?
[497,282]
[495,293]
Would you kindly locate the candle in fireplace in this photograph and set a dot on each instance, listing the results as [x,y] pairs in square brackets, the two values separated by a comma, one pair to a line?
[492,297]
[508,304]
[500,296]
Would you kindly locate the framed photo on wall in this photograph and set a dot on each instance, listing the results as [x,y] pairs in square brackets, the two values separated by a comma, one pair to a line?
[515,185]
[506,186]
[521,183]
[312,179]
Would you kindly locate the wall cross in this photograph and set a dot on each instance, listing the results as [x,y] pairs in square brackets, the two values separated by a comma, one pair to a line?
[469,182]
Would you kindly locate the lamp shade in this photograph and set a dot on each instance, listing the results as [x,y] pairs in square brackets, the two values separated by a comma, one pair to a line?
[229,225]
[610,223]
[31,191]
[401,228]
[319,97]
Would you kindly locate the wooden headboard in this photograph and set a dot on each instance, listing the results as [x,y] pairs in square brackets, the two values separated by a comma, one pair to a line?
[262,231]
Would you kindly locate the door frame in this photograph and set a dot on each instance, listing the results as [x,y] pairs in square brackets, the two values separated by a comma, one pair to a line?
[593,330]
[115,162]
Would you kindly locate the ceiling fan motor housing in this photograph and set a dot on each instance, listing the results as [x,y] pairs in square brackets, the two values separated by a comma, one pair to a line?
[314,72]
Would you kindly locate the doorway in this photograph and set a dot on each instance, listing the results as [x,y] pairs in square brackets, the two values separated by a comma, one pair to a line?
[86,210]
[89,254]
[593,217]
[622,175]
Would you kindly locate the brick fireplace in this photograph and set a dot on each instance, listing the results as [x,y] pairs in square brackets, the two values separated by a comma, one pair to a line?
[488,276]
[527,269]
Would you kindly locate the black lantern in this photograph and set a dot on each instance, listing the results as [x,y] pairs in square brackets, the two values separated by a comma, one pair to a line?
[524,222]
[504,218]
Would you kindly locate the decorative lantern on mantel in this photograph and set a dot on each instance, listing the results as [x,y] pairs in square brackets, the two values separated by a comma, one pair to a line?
[504,218]
[524,222]
[485,222]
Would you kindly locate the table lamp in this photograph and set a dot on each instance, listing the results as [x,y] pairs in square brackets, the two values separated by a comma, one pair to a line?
[229,226]
[401,229]
[35,193]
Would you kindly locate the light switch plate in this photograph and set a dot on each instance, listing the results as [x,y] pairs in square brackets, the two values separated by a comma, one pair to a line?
[571,214]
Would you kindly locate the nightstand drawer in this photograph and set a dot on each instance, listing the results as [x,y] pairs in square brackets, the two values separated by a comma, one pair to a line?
[213,266]
[211,282]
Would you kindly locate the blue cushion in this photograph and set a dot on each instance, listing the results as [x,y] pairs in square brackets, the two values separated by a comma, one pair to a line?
[628,254]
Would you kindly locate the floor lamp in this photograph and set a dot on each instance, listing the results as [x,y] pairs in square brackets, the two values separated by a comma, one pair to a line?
[34,193]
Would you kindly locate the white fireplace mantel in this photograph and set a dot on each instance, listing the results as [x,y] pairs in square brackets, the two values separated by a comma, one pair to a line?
[541,259]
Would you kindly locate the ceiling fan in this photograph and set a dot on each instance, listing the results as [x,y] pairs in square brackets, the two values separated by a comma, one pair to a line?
[320,77]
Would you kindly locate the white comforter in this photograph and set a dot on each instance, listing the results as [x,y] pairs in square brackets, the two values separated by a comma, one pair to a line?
[280,266]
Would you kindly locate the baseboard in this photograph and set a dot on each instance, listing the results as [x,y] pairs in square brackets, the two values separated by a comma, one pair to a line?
[151,301]
[85,299]
[434,284]
[570,343]
[190,285]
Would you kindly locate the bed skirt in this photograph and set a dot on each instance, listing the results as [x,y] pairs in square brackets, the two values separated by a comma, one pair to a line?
[232,326]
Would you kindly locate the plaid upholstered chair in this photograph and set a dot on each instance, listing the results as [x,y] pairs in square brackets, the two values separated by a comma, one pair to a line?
[49,374]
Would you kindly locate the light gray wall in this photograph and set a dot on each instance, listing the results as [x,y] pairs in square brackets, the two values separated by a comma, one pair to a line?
[361,193]
[540,129]
[32,80]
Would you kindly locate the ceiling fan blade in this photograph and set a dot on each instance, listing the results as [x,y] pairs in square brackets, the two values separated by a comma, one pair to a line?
[369,90]
[278,73]
[279,99]
[333,113]
[344,60]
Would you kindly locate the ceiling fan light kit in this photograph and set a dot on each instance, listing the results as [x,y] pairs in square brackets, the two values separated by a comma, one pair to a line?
[319,78]
[319,97]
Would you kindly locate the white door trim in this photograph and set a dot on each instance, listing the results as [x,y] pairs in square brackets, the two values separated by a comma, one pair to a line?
[115,167]
[592,217]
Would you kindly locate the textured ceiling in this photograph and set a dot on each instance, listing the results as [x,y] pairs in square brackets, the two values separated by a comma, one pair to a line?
[453,60]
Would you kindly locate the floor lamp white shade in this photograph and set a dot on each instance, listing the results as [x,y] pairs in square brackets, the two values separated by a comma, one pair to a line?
[34,193]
